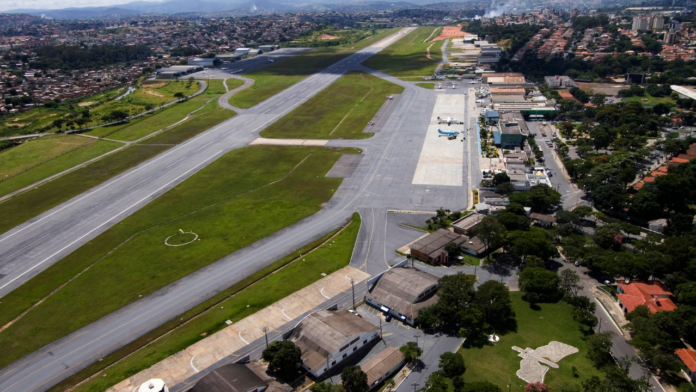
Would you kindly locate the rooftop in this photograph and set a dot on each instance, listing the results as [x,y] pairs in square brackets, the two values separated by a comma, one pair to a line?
[402,289]
[229,378]
[381,364]
[434,242]
[323,333]
[653,294]
[688,357]
[469,221]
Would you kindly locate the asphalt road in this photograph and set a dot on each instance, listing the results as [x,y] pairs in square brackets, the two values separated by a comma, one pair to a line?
[382,181]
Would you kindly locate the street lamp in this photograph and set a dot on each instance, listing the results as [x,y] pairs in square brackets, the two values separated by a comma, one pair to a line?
[352,284]
[265,334]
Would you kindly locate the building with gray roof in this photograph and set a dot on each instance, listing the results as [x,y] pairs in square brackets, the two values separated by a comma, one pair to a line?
[383,365]
[231,378]
[403,292]
[327,338]
[431,248]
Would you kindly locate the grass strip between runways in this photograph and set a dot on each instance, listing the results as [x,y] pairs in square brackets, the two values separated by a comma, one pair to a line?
[342,110]
[245,195]
[409,55]
[32,203]
[275,78]
[263,288]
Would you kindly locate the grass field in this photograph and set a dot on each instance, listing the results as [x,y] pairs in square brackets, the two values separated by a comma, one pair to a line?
[257,190]
[429,86]
[28,153]
[57,165]
[17,210]
[275,78]
[149,95]
[53,193]
[297,274]
[498,363]
[340,111]
[204,119]
[408,56]
[152,122]
[232,84]
[652,101]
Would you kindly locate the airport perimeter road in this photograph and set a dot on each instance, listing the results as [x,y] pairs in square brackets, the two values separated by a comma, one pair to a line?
[33,246]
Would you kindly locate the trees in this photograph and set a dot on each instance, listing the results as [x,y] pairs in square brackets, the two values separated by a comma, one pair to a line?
[490,232]
[282,357]
[608,236]
[569,282]
[179,95]
[500,178]
[118,115]
[533,242]
[513,221]
[411,352]
[482,386]
[354,379]
[436,383]
[452,364]
[540,197]
[539,285]
[452,250]
[493,301]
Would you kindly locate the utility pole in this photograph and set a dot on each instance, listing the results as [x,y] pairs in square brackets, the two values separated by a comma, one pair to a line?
[352,283]
[380,328]
[265,334]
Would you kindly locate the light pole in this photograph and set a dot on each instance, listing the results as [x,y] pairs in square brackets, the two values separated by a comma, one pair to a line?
[352,284]
[265,334]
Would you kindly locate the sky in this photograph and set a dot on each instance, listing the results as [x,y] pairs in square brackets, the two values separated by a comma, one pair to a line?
[56,4]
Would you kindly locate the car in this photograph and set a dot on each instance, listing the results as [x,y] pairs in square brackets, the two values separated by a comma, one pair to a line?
[607,282]
[543,134]
[388,318]
[577,263]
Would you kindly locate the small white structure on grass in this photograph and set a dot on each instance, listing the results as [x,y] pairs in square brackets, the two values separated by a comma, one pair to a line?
[531,368]
[153,385]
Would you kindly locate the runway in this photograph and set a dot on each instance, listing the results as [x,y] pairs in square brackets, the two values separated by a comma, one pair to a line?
[381,181]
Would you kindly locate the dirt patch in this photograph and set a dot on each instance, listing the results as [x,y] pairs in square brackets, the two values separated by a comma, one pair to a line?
[449,32]
[50,115]
[85,103]
[610,89]
[153,93]
[17,125]
[326,37]
[155,84]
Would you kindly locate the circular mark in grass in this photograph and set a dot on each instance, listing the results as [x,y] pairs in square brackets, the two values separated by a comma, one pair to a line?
[180,239]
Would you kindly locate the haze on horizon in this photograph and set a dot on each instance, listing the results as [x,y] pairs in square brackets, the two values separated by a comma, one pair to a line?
[6,5]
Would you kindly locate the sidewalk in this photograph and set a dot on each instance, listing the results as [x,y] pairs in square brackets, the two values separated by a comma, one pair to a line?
[614,311]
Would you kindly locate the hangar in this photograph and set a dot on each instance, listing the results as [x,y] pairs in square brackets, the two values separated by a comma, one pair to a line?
[329,337]
[403,292]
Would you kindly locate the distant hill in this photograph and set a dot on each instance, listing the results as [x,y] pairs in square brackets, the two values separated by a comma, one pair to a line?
[203,6]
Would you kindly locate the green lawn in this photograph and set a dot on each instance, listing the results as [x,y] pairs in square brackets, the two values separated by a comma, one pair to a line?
[297,273]
[652,101]
[408,56]
[204,119]
[20,158]
[56,165]
[470,260]
[275,78]
[498,363]
[257,190]
[342,110]
[429,86]
[232,84]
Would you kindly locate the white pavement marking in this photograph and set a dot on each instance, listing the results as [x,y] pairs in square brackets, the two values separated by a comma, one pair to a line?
[240,336]
[441,160]
[175,162]
[322,293]
[608,315]
[193,367]
[108,220]
[286,316]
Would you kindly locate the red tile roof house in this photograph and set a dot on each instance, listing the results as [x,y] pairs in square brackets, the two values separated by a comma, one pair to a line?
[654,295]
[689,359]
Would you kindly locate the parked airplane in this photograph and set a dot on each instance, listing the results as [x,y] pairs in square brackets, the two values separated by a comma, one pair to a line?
[448,134]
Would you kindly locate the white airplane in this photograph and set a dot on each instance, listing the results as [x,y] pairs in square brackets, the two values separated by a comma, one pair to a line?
[448,134]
